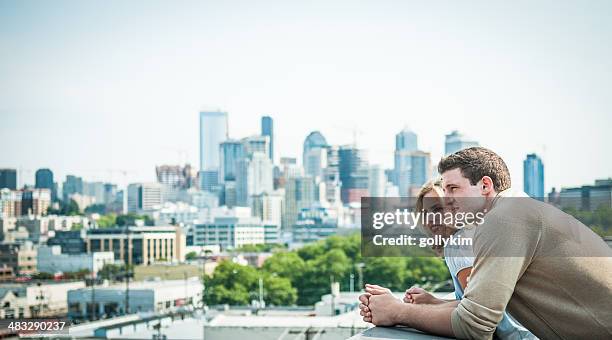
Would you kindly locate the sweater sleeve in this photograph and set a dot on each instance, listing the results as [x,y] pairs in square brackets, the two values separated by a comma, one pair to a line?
[494,277]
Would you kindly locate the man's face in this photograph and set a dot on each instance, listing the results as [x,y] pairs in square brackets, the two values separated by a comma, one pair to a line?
[460,194]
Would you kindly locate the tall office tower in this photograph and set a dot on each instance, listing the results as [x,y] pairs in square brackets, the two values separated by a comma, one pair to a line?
[406,140]
[231,152]
[254,177]
[35,201]
[72,185]
[377,181]
[10,204]
[412,170]
[314,155]
[254,144]
[267,129]
[353,165]
[533,176]
[209,180]
[95,190]
[144,196]
[300,193]
[331,175]
[44,180]
[213,131]
[268,207]
[8,179]
[175,176]
[456,141]
[110,193]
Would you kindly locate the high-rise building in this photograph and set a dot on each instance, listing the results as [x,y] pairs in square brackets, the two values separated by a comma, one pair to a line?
[175,176]
[331,175]
[95,190]
[300,192]
[35,201]
[267,129]
[213,131]
[314,155]
[421,168]
[72,185]
[144,196]
[456,141]
[44,180]
[209,180]
[533,176]
[412,170]
[268,207]
[353,166]
[231,152]
[588,197]
[254,178]
[377,181]
[10,203]
[8,179]
[254,144]
[406,140]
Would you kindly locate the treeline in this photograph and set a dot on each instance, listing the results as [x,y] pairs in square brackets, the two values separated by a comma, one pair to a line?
[599,220]
[301,277]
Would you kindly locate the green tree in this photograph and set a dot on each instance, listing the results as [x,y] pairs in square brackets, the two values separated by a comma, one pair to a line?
[388,272]
[96,209]
[192,255]
[231,284]
[319,272]
[279,291]
[285,264]
[107,221]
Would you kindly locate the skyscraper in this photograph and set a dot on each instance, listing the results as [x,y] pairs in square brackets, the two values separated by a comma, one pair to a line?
[267,129]
[44,180]
[353,166]
[456,141]
[254,177]
[72,185]
[420,168]
[8,179]
[144,196]
[377,181]
[406,140]
[231,152]
[213,131]
[254,144]
[314,155]
[175,176]
[533,176]
[300,193]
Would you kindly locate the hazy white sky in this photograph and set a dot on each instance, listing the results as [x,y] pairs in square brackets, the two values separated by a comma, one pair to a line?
[93,87]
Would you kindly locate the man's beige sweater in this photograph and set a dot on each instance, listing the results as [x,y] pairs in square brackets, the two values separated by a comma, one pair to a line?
[552,273]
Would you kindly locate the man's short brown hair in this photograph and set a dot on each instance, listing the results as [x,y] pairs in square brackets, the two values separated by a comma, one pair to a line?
[477,162]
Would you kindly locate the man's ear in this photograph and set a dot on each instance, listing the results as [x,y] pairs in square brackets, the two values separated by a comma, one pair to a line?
[486,186]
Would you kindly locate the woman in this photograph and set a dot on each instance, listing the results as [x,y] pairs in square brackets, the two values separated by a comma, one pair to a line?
[459,259]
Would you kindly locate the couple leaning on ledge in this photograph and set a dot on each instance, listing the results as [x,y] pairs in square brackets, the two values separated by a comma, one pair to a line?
[533,271]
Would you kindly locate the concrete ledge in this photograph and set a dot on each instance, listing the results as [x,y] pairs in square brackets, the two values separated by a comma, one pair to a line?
[391,333]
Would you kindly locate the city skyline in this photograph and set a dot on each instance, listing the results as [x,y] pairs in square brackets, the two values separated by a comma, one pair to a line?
[112,103]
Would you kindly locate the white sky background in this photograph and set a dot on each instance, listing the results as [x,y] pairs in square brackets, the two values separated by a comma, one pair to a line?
[86,87]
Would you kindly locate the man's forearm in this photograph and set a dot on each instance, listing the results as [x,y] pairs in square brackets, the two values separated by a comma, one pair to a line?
[434,319]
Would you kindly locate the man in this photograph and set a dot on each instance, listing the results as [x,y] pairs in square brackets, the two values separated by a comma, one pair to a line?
[553,274]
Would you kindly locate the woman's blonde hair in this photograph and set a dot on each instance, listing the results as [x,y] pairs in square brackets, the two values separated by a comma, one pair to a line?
[433,185]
